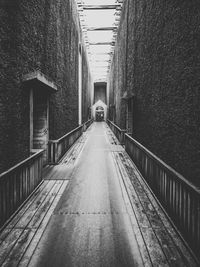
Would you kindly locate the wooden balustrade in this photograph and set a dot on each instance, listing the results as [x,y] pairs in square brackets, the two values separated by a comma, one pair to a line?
[87,124]
[17,183]
[119,133]
[57,148]
[180,198]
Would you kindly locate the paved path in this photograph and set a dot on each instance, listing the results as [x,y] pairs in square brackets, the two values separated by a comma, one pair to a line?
[94,209]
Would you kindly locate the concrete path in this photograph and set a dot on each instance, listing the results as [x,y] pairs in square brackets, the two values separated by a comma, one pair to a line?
[91,225]
[93,209]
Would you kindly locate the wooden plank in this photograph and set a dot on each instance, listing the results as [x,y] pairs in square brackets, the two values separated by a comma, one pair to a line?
[71,156]
[138,235]
[172,254]
[30,212]
[169,238]
[15,242]
[8,243]
[34,214]
[96,7]
[19,248]
[21,212]
[60,172]
[101,43]
[101,28]
[155,251]
[11,235]
[34,242]
[27,205]
[41,212]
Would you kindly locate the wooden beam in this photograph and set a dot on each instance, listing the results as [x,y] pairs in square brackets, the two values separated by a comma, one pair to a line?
[101,29]
[100,53]
[101,60]
[94,7]
[102,43]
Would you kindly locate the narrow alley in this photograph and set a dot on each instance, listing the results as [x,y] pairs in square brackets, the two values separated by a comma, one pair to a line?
[99,133]
[90,212]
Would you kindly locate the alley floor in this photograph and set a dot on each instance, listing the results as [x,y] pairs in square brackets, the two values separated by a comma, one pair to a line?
[93,209]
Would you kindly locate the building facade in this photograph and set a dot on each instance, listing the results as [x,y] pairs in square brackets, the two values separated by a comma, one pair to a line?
[45,77]
[154,80]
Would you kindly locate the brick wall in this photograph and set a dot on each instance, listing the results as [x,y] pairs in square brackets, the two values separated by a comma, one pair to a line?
[37,35]
[157,58]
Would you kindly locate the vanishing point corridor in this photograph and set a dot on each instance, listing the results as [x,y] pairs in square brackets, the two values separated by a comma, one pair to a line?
[99,133]
[93,209]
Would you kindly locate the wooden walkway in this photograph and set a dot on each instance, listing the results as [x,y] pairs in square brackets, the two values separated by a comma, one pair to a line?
[158,242]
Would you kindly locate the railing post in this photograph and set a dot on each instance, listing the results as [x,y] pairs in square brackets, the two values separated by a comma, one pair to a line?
[17,183]
[57,148]
[84,127]
[56,152]
[179,197]
[122,139]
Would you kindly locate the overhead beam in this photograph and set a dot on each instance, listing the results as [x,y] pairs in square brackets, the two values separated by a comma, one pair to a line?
[100,53]
[100,67]
[102,43]
[94,7]
[100,60]
[101,28]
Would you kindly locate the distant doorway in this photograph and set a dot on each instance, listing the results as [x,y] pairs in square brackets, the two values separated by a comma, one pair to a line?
[99,113]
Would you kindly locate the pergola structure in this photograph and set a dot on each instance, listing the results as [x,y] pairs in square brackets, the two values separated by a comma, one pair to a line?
[99,21]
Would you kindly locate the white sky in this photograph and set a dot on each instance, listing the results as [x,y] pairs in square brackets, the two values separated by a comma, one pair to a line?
[99,18]
[98,36]
[99,54]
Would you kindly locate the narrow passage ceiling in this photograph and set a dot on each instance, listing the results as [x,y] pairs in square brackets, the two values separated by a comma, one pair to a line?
[99,21]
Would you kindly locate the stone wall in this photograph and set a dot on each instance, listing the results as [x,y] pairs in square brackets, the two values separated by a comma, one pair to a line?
[39,35]
[157,58]
[87,84]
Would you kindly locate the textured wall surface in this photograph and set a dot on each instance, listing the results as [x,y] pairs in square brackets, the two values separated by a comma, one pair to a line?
[157,58]
[37,35]
[87,87]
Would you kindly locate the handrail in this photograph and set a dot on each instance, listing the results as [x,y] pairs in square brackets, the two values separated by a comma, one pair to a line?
[68,134]
[17,183]
[87,124]
[117,131]
[20,164]
[57,148]
[179,197]
[164,165]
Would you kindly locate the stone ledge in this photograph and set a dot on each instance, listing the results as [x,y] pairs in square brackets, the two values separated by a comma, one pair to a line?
[39,77]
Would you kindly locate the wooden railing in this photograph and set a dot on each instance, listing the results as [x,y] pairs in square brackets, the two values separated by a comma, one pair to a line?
[57,148]
[18,183]
[87,124]
[119,133]
[179,197]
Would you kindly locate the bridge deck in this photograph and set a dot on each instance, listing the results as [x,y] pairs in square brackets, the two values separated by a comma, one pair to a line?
[93,209]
